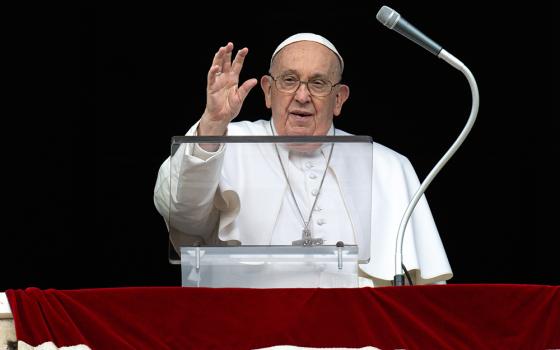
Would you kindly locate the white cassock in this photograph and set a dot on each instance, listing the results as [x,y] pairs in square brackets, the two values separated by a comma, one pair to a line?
[244,198]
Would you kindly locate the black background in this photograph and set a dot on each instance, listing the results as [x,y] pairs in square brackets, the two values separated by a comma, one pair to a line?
[105,88]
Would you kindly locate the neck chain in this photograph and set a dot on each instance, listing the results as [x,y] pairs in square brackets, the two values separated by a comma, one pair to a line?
[306,238]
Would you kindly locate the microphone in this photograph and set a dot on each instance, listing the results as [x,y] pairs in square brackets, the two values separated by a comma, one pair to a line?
[393,20]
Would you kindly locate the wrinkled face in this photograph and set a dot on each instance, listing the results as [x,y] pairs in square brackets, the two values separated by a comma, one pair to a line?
[300,113]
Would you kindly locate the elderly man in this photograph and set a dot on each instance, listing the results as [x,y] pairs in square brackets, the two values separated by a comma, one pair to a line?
[304,93]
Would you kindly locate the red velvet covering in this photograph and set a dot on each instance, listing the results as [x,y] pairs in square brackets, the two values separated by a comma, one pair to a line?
[420,317]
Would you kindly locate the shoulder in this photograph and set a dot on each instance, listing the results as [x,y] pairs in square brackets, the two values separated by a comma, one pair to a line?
[380,151]
[385,153]
[385,157]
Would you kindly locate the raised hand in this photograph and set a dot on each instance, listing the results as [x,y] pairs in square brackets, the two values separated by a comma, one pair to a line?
[224,95]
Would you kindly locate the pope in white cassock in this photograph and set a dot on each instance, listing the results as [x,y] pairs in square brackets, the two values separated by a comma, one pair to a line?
[315,191]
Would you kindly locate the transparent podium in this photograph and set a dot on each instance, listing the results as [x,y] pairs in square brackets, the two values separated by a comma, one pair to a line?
[270,211]
[270,266]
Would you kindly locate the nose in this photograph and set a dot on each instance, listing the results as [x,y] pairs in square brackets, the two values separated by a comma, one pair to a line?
[302,93]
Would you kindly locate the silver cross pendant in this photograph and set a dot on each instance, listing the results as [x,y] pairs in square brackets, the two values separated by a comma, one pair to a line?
[307,240]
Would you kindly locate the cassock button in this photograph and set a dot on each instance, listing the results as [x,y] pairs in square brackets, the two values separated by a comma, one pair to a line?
[312,176]
[314,192]
[309,165]
[321,222]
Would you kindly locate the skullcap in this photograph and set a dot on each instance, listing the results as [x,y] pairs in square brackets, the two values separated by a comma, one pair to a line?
[308,37]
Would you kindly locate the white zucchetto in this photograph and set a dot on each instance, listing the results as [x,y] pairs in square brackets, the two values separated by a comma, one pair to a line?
[308,37]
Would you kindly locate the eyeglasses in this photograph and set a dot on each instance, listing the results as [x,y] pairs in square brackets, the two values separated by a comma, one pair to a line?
[290,83]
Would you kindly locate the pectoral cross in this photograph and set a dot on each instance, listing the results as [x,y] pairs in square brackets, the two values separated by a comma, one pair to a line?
[306,239]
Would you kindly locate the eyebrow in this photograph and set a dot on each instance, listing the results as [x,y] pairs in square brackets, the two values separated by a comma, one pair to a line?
[313,76]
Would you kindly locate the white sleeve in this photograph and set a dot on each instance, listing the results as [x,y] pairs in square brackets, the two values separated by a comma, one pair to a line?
[185,191]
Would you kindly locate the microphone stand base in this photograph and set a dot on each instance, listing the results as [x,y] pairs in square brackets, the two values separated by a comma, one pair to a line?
[398,280]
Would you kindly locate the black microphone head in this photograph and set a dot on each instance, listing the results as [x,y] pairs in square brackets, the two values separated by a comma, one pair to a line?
[388,16]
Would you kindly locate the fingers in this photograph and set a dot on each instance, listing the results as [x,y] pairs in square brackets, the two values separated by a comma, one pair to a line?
[222,64]
[214,71]
[244,89]
[239,59]
[226,65]
[222,58]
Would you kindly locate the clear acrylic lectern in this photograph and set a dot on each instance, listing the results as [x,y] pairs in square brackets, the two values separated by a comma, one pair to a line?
[269,211]
[270,266]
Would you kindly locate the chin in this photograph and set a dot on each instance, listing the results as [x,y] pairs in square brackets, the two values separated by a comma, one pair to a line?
[300,130]
[299,133]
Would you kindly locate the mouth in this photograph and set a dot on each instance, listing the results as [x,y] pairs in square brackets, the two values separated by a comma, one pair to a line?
[300,115]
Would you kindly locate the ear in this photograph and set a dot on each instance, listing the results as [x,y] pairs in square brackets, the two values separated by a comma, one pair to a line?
[266,86]
[341,96]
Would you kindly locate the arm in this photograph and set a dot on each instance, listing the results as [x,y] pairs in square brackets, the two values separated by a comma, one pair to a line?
[187,183]
[185,193]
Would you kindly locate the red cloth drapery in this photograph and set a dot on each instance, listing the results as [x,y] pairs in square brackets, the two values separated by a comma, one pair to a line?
[419,317]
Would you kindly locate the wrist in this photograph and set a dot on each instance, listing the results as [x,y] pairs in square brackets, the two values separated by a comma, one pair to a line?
[208,128]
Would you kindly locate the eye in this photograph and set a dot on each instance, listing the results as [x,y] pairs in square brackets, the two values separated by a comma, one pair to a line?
[290,79]
[319,83]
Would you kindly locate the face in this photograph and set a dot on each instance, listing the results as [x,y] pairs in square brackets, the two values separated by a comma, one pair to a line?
[300,113]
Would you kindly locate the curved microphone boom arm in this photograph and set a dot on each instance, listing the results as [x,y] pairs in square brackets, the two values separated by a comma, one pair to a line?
[453,61]
[393,20]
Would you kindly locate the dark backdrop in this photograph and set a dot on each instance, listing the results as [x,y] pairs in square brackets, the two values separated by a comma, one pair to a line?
[84,214]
